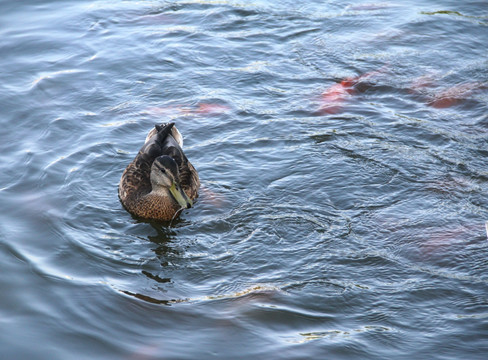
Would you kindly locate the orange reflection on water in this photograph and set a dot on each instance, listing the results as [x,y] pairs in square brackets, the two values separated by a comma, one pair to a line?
[334,98]
[202,109]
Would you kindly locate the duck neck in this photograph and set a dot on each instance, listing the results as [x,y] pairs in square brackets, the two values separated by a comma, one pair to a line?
[160,191]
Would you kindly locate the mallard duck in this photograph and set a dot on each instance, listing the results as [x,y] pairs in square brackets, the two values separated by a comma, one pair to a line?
[160,181]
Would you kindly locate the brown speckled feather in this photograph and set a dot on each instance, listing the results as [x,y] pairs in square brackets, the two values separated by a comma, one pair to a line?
[135,182]
[135,185]
[189,180]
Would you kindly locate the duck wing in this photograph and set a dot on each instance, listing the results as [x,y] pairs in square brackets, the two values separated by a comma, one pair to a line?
[136,179]
[189,180]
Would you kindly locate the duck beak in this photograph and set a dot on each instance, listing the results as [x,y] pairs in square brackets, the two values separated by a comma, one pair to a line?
[180,196]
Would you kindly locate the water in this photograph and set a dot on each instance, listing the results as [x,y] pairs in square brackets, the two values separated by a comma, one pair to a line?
[328,226]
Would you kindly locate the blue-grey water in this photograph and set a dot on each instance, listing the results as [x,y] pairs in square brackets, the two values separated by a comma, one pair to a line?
[331,224]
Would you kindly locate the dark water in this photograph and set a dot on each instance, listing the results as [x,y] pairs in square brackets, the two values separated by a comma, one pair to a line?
[328,227]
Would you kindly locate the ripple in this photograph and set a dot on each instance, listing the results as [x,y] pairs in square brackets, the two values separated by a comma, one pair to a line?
[355,234]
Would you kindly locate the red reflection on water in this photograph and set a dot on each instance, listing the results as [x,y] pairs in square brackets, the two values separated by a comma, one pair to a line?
[214,198]
[446,97]
[211,109]
[454,95]
[164,110]
[369,6]
[419,84]
[334,98]
[438,242]
[203,109]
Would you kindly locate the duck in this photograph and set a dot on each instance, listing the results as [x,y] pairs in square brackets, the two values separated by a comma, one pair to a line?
[160,182]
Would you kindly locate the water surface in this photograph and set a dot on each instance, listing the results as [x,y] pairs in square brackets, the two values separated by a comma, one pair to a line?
[342,227]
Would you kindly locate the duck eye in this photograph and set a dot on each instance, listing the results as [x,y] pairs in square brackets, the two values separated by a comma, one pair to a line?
[160,168]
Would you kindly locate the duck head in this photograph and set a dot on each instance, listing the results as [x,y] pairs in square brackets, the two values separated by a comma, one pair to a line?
[165,177]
